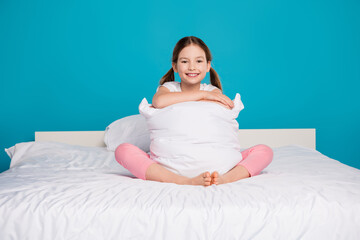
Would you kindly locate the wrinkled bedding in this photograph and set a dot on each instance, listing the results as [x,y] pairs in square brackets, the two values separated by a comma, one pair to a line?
[60,191]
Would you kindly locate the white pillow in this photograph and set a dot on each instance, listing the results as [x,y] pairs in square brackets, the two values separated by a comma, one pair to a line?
[190,138]
[132,129]
[54,156]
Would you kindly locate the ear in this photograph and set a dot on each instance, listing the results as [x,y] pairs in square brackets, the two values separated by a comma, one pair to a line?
[208,66]
[174,67]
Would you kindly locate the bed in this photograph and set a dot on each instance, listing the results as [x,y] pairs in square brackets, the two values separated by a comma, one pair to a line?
[67,185]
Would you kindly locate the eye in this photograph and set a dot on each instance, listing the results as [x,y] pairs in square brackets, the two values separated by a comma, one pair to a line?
[183,61]
[199,61]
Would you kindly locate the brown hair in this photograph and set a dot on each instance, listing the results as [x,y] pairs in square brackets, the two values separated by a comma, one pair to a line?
[182,43]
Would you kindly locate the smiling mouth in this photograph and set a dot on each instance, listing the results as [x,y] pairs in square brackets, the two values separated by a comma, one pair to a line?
[192,74]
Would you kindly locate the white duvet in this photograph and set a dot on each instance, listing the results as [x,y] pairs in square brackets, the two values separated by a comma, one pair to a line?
[59,191]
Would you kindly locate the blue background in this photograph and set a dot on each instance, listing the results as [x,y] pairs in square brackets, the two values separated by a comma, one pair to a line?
[79,65]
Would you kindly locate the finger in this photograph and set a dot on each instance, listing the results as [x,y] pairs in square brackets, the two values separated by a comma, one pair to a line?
[227,101]
[223,99]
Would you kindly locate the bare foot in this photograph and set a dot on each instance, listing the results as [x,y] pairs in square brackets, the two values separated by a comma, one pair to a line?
[235,174]
[216,178]
[203,179]
[156,172]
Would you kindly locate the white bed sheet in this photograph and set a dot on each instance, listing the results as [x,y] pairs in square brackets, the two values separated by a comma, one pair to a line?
[60,191]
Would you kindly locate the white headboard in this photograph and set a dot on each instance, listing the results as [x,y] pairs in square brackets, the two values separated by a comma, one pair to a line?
[248,137]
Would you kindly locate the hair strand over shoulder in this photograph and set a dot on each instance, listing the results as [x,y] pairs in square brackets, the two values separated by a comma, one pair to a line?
[168,77]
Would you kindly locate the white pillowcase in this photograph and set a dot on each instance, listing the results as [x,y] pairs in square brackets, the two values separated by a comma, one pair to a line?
[132,129]
[54,156]
[190,138]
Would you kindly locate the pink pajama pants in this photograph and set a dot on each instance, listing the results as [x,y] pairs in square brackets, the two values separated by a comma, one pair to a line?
[254,159]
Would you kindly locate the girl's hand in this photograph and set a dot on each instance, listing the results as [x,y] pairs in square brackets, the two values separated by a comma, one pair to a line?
[218,97]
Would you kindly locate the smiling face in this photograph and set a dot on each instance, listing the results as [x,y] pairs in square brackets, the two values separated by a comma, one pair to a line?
[192,66]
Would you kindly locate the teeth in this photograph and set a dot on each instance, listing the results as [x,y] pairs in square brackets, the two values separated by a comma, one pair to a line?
[192,74]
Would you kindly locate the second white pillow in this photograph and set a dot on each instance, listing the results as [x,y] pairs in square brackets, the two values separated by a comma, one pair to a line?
[131,129]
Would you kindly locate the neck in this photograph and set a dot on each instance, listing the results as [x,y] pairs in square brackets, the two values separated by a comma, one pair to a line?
[189,88]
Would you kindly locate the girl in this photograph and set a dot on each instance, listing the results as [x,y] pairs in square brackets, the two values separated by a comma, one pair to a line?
[191,60]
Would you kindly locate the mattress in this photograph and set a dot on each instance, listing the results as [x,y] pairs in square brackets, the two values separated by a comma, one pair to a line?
[61,191]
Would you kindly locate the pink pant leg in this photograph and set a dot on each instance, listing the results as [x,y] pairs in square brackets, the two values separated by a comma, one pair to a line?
[256,158]
[133,159]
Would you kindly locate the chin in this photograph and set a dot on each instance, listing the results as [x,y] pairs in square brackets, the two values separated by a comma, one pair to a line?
[194,81]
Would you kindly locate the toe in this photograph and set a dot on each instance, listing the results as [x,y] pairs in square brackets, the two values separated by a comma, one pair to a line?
[207,179]
[214,181]
[214,178]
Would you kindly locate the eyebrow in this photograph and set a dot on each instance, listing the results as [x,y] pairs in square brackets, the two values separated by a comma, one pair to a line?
[196,57]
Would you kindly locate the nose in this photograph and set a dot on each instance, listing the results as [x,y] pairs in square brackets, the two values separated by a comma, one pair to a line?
[191,66]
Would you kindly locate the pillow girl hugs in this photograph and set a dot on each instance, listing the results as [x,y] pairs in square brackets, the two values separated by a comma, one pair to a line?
[193,127]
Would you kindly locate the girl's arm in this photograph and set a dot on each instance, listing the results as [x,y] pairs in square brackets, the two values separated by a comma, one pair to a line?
[163,97]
